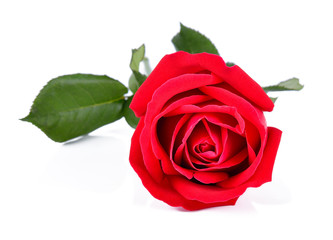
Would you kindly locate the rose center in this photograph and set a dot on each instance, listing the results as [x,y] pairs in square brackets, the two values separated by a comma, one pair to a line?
[204,147]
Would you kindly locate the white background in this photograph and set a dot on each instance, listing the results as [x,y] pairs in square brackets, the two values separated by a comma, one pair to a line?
[87,189]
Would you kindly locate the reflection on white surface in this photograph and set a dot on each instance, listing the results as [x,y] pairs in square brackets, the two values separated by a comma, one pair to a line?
[272,193]
[95,163]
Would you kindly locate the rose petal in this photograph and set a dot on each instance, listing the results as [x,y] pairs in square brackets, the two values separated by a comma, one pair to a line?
[160,190]
[252,136]
[181,136]
[264,171]
[161,96]
[204,193]
[184,95]
[210,177]
[151,162]
[171,66]
[246,86]
[163,128]
[181,159]
[215,134]
[180,63]
[223,116]
[163,190]
[208,194]
[244,108]
[233,145]
[202,135]
[162,133]
[168,90]
[251,113]
[161,145]
[235,160]
[196,205]
[248,172]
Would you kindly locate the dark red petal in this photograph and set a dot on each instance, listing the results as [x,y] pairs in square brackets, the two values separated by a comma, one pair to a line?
[234,144]
[180,159]
[204,193]
[163,127]
[183,131]
[175,86]
[244,108]
[162,190]
[161,143]
[264,171]
[180,63]
[208,194]
[162,131]
[246,174]
[169,67]
[251,113]
[215,133]
[193,205]
[152,163]
[183,83]
[160,97]
[235,160]
[223,116]
[246,86]
[202,134]
[210,177]
[252,136]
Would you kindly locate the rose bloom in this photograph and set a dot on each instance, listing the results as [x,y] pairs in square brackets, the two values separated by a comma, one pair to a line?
[202,138]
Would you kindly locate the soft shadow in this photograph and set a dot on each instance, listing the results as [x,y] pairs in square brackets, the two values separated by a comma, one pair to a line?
[80,139]
[242,207]
[94,163]
[272,193]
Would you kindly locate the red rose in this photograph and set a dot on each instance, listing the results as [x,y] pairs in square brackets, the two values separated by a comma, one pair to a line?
[202,139]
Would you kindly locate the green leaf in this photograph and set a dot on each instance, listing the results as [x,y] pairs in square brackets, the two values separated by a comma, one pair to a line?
[135,81]
[192,41]
[74,105]
[129,115]
[133,84]
[230,64]
[273,99]
[288,85]
[137,78]
[137,56]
